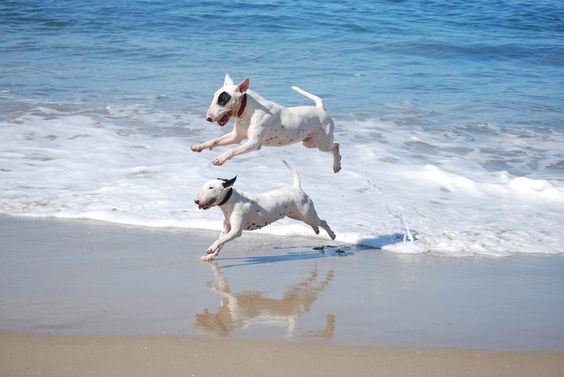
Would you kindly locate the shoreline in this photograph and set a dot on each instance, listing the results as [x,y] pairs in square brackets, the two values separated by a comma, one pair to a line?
[92,279]
[90,298]
[85,278]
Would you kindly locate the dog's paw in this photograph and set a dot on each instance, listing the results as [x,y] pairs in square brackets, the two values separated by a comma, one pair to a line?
[197,148]
[337,162]
[208,257]
[337,168]
[213,249]
[218,161]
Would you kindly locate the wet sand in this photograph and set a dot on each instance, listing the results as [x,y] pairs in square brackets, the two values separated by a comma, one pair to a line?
[79,297]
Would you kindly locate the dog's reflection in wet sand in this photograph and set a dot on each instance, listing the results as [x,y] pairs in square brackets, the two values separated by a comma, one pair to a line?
[245,309]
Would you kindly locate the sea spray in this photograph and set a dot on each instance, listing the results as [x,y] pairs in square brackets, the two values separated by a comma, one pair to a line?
[396,214]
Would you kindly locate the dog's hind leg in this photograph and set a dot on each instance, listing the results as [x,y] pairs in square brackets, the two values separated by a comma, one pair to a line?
[336,158]
[324,225]
[323,140]
[308,215]
[309,143]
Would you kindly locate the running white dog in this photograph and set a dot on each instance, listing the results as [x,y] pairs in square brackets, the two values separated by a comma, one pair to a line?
[244,211]
[264,122]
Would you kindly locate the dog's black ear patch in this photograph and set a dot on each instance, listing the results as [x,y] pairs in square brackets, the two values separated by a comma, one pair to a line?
[223,98]
[228,182]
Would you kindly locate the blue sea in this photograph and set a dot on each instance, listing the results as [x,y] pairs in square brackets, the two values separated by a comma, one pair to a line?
[450,115]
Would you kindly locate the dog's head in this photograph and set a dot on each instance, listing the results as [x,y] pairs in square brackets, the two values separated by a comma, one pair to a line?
[226,101]
[214,192]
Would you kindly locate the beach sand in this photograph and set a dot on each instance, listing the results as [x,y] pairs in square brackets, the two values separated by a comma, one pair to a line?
[163,356]
[88,298]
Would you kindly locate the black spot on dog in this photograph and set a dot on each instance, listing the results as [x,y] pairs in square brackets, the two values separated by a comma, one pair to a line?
[223,98]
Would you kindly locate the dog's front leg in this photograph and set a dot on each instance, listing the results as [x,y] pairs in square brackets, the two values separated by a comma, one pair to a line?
[256,136]
[231,138]
[214,248]
[249,146]
[234,232]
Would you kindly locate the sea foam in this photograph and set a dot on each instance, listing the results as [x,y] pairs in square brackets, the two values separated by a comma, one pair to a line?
[402,188]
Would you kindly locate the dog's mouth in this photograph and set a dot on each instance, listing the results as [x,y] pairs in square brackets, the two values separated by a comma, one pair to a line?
[207,204]
[223,121]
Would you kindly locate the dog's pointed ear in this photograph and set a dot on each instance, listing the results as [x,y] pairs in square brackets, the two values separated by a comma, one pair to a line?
[229,182]
[244,85]
[228,80]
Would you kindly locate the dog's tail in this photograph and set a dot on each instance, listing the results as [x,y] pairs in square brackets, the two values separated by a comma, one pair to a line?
[318,101]
[297,183]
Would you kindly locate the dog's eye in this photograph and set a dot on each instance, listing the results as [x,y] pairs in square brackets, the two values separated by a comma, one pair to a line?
[223,99]
[211,187]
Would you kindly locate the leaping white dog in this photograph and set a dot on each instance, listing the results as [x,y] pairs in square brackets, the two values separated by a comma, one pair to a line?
[264,122]
[244,211]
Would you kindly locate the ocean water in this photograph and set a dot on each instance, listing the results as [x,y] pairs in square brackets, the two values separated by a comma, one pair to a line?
[450,115]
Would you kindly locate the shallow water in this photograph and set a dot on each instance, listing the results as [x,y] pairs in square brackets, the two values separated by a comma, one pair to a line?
[450,117]
[69,278]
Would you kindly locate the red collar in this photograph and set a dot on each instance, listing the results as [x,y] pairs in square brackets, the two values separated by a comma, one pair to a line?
[243,105]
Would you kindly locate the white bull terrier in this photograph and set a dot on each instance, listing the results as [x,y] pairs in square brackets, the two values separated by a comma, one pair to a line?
[245,211]
[264,122]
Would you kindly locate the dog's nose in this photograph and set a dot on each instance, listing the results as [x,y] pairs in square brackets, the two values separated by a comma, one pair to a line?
[209,119]
[197,202]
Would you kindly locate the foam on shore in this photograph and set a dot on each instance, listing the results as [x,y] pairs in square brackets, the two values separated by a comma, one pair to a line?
[402,188]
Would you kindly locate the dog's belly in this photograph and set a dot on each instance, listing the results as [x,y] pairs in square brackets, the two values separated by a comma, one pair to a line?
[260,218]
[271,207]
[292,125]
[281,135]
[278,142]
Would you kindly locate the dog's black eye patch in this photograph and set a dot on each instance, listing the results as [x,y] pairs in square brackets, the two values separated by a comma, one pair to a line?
[223,99]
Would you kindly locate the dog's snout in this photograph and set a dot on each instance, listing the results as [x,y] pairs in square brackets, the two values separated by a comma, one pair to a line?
[209,119]
[197,201]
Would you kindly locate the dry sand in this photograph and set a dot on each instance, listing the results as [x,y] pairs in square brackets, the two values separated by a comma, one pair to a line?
[81,298]
[163,356]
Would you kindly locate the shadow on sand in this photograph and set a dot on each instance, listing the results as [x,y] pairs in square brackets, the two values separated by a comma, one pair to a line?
[314,252]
